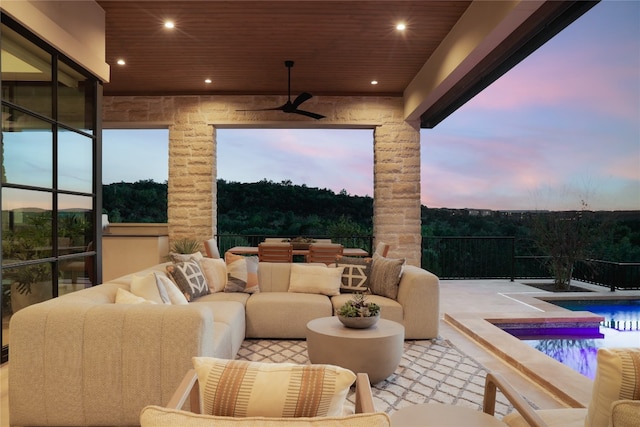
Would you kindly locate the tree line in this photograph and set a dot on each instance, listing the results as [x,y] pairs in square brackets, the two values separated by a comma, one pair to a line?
[284,209]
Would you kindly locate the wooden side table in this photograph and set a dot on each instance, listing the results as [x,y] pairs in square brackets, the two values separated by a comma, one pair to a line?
[441,415]
[376,350]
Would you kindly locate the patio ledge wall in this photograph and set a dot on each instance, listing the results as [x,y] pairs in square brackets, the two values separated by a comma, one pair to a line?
[192,122]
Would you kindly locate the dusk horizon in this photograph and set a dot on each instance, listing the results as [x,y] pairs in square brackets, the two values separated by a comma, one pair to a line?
[558,131]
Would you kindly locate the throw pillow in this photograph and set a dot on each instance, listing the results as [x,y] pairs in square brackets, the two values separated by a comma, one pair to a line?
[126,297]
[146,287]
[385,276]
[315,279]
[175,257]
[355,277]
[242,273]
[617,377]
[189,278]
[239,388]
[172,291]
[157,416]
[215,271]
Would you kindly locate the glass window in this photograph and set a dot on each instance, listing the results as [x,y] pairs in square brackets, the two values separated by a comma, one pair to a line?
[75,162]
[26,73]
[26,225]
[26,285]
[75,98]
[75,223]
[28,153]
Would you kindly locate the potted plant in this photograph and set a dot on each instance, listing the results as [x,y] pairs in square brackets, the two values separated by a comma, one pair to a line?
[358,313]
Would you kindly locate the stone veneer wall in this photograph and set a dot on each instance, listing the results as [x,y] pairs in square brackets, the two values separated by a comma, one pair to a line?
[192,122]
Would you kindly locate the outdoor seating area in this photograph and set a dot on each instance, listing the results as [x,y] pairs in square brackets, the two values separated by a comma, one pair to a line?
[431,371]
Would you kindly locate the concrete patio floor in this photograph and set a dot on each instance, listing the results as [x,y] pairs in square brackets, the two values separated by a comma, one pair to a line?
[464,306]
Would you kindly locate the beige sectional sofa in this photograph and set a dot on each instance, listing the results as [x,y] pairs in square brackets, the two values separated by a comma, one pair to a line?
[81,359]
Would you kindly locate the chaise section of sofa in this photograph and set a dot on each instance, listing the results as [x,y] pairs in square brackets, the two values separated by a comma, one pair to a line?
[82,360]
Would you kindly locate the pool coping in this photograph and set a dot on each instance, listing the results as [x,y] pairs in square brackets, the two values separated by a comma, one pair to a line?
[565,385]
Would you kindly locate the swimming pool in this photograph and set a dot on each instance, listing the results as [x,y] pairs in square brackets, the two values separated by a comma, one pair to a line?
[577,347]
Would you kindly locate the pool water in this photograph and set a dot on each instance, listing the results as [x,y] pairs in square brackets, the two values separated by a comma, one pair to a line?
[620,328]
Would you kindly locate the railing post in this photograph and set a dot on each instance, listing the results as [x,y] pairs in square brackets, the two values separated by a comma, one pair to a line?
[513,258]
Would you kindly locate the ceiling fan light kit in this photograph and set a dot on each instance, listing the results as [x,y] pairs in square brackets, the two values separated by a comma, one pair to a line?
[292,107]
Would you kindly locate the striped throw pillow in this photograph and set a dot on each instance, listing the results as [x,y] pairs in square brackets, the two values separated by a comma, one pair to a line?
[238,388]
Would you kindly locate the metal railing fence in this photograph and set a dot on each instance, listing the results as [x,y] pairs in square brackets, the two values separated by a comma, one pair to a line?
[481,258]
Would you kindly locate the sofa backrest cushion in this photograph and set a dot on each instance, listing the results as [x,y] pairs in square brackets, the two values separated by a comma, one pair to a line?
[156,416]
[274,276]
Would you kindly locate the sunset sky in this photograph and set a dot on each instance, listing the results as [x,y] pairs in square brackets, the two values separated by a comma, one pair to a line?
[561,127]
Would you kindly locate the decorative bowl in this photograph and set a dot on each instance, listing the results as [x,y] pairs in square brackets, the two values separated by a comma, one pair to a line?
[359,322]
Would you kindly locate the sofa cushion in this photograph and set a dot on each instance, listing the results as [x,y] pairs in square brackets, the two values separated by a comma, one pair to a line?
[355,277]
[172,291]
[239,388]
[242,273]
[126,297]
[189,278]
[617,377]
[385,276]
[215,271]
[315,279]
[147,288]
[156,416]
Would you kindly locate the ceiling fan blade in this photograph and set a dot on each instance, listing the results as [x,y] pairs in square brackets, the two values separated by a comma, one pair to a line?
[303,97]
[309,114]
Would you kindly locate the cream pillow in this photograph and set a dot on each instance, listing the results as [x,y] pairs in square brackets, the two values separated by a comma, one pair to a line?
[146,287]
[617,377]
[126,297]
[156,416]
[172,291]
[215,271]
[315,279]
[238,388]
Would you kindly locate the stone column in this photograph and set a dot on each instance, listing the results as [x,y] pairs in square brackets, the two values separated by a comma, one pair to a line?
[396,192]
[192,183]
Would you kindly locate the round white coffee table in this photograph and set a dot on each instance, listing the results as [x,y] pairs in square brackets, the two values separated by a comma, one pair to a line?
[376,350]
[441,415]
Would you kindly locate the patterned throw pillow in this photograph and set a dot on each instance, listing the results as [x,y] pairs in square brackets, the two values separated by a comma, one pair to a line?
[355,277]
[242,272]
[239,388]
[189,278]
[385,276]
[617,378]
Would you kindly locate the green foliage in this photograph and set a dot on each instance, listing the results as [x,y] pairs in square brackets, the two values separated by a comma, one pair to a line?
[283,209]
[185,246]
[359,307]
[142,201]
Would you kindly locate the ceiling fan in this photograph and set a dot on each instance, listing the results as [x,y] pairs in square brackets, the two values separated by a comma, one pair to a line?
[292,107]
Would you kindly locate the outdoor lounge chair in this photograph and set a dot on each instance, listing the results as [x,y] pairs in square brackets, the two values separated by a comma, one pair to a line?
[615,400]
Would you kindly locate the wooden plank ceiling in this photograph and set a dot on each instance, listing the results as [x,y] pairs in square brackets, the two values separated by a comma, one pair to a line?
[338,47]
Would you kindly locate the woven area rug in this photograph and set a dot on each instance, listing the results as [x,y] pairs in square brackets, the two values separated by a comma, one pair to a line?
[430,371]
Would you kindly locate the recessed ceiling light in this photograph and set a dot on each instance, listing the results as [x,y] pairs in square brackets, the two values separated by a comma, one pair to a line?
[120,61]
[374,82]
[401,26]
[169,24]
[207,81]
